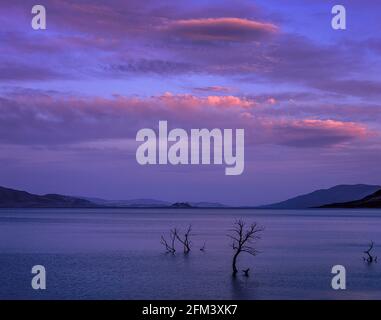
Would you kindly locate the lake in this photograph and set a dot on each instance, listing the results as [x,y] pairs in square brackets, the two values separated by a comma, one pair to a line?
[116,254]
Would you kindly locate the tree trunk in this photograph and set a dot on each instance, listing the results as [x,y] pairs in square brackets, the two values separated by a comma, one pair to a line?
[234,264]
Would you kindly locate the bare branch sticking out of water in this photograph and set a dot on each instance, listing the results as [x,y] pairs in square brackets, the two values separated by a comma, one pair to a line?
[169,247]
[370,258]
[185,240]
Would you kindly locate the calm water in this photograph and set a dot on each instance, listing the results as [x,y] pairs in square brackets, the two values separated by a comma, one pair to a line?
[116,254]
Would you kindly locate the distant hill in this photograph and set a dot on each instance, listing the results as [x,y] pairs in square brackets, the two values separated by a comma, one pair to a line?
[185,205]
[207,205]
[10,198]
[143,203]
[371,201]
[149,203]
[319,198]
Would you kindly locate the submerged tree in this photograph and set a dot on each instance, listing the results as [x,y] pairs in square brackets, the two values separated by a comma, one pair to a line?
[176,235]
[243,241]
[169,247]
[185,240]
[370,258]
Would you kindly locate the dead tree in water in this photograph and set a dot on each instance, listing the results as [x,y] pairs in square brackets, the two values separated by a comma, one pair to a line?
[169,247]
[370,258]
[243,241]
[185,241]
[246,272]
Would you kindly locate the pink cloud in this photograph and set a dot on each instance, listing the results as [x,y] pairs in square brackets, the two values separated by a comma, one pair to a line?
[46,118]
[188,100]
[315,132]
[221,29]
[351,128]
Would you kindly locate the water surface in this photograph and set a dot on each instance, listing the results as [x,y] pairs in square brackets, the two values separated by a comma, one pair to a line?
[116,254]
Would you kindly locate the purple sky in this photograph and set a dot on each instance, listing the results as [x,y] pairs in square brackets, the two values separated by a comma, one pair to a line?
[72,97]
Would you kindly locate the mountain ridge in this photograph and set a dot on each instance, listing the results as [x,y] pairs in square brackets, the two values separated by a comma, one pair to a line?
[318,198]
[12,198]
[372,201]
[340,196]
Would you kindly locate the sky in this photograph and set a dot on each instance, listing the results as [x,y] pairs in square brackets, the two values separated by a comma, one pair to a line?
[73,96]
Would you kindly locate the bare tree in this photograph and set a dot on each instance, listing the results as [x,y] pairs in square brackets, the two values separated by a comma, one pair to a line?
[185,241]
[246,272]
[243,241]
[203,247]
[169,247]
[370,258]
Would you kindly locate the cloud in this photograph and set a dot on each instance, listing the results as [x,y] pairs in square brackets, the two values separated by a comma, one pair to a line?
[100,41]
[193,101]
[48,118]
[213,89]
[10,71]
[296,58]
[316,133]
[360,88]
[221,29]
[153,66]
